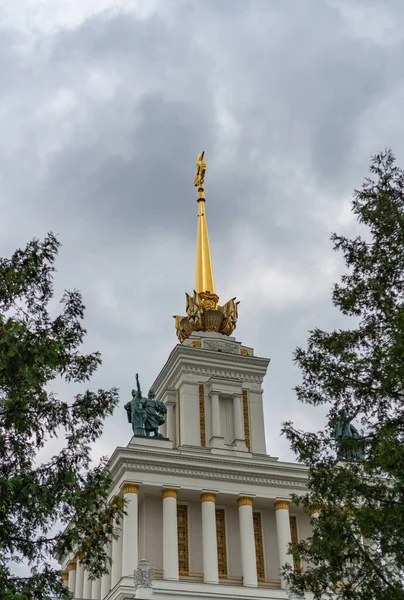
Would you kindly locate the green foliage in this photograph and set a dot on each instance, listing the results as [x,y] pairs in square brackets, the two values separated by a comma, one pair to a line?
[39,499]
[356,550]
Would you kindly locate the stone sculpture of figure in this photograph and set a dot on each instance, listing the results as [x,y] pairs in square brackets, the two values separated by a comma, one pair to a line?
[154,415]
[342,428]
[145,414]
[135,410]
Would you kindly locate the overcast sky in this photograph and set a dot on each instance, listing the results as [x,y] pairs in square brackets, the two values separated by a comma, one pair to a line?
[104,106]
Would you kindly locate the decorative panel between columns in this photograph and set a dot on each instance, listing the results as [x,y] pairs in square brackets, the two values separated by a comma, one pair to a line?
[183,546]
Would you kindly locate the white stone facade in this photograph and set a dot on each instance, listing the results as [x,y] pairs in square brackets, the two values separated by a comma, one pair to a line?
[214,460]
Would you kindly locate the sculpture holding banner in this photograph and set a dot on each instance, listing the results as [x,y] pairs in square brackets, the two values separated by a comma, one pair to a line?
[145,414]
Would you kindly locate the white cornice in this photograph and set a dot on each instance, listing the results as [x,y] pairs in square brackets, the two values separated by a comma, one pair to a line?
[260,472]
[198,361]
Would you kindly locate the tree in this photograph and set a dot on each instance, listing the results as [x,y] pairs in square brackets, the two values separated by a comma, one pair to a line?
[356,550]
[39,499]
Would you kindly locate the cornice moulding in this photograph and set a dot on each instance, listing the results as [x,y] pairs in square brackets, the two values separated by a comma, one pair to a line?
[217,475]
[283,474]
[185,359]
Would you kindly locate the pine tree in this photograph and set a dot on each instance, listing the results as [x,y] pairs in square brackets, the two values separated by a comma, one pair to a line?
[356,550]
[59,506]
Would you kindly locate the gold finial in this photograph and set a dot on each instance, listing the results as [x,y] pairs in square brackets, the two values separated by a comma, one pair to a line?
[204,280]
[203,310]
[199,178]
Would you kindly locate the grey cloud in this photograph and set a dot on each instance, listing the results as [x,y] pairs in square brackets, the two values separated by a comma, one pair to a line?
[101,126]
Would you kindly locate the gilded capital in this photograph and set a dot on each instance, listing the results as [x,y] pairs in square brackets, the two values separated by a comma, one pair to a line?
[244,501]
[281,504]
[315,510]
[130,488]
[65,576]
[208,497]
[169,493]
[72,566]
[117,502]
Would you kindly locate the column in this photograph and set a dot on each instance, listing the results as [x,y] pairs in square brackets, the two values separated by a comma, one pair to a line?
[283,534]
[71,569]
[96,590]
[171,421]
[78,593]
[209,541]
[239,437]
[247,541]
[65,578]
[106,578]
[116,567]
[170,534]
[87,584]
[130,530]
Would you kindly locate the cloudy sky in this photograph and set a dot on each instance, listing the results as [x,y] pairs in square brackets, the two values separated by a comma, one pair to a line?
[104,106]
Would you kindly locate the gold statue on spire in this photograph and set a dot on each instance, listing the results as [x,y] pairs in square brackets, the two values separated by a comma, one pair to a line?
[199,178]
[203,310]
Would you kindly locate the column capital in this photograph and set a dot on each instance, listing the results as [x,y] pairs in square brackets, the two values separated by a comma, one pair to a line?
[208,497]
[72,566]
[65,576]
[169,493]
[130,488]
[244,501]
[117,502]
[282,504]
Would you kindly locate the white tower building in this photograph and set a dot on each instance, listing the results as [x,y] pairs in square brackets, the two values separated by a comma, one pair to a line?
[209,513]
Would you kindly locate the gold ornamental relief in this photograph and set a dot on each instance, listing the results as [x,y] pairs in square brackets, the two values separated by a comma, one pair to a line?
[295,540]
[65,576]
[208,497]
[179,416]
[130,488]
[72,566]
[201,389]
[281,504]
[245,501]
[221,542]
[169,493]
[259,545]
[246,419]
[182,532]
[204,314]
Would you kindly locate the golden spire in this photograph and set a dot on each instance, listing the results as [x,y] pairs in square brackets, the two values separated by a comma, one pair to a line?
[203,310]
[204,280]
